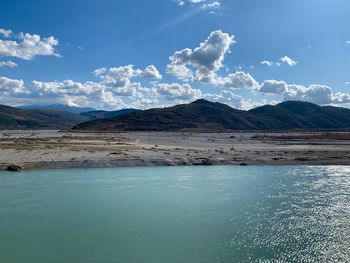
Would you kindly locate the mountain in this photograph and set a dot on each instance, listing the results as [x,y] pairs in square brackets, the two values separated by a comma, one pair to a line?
[305,115]
[200,115]
[14,118]
[57,107]
[101,114]
[203,115]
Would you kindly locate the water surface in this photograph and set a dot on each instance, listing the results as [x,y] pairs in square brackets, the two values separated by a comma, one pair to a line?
[176,214]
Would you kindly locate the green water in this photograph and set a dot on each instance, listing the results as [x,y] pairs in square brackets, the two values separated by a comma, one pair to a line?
[176,214]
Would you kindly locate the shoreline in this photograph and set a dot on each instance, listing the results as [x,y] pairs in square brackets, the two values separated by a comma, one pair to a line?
[42,149]
[72,165]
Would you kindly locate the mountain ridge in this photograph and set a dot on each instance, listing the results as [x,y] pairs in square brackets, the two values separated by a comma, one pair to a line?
[203,115]
[102,114]
[15,118]
[57,106]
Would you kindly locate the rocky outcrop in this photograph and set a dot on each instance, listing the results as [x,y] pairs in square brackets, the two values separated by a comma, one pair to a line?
[14,168]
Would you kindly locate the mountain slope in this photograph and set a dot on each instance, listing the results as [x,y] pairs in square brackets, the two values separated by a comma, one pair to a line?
[13,118]
[57,107]
[199,115]
[305,115]
[101,114]
[203,115]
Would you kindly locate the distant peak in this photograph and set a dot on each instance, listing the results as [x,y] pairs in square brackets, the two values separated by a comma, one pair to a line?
[201,101]
[297,102]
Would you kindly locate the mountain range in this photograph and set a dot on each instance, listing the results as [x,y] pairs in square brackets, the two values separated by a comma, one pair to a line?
[50,116]
[59,107]
[14,118]
[102,114]
[202,115]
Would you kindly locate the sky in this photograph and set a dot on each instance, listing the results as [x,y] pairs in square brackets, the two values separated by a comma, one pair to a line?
[111,54]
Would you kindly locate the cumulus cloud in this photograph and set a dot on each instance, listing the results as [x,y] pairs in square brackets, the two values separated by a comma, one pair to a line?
[274,87]
[237,80]
[315,93]
[12,86]
[9,64]
[128,86]
[175,91]
[340,98]
[114,87]
[213,5]
[120,79]
[28,47]
[202,63]
[267,63]
[227,97]
[152,72]
[289,61]
[108,100]
[204,4]
[319,94]
[5,32]
[283,60]
[66,87]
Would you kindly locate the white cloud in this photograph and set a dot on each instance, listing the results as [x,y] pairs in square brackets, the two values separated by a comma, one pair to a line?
[315,93]
[151,72]
[12,86]
[127,86]
[66,87]
[99,71]
[213,5]
[115,86]
[201,63]
[274,87]
[202,4]
[5,32]
[175,91]
[286,60]
[289,61]
[267,63]
[226,97]
[109,101]
[237,80]
[348,42]
[29,47]
[9,64]
[340,98]
[119,79]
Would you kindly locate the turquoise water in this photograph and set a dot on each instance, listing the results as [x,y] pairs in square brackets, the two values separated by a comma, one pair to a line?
[176,214]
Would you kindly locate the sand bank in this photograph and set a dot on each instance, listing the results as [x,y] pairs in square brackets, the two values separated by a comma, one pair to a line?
[52,149]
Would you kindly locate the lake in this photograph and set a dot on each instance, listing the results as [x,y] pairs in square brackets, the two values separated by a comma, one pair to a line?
[176,214]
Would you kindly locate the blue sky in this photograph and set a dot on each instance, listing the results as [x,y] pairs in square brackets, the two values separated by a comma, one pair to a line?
[244,52]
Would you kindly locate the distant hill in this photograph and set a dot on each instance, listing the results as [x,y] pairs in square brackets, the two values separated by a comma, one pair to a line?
[59,107]
[199,115]
[203,115]
[101,114]
[13,118]
[305,115]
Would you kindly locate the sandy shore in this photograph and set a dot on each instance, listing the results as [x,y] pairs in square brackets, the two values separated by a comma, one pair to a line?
[52,149]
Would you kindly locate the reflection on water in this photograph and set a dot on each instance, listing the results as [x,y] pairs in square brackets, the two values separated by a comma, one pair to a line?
[177,214]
